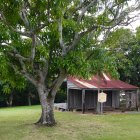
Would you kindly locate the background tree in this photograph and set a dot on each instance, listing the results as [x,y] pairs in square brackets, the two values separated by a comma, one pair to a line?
[44,41]
[9,82]
[124,45]
[135,56]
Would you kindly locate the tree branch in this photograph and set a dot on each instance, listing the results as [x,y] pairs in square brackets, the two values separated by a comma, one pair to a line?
[24,73]
[78,35]
[3,19]
[45,69]
[84,9]
[57,83]
[60,31]
[17,55]
[23,14]
[30,78]
[34,43]
[14,51]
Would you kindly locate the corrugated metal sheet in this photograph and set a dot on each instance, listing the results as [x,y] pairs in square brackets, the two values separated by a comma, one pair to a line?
[102,82]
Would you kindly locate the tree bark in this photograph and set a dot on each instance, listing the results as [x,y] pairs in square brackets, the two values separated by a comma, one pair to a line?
[50,111]
[43,102]
[47,100]
[47,104]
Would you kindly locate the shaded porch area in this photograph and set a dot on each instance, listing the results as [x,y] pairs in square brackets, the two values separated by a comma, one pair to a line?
[85,99]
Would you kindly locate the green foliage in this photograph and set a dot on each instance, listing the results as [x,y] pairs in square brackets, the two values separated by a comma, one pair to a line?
[125,46]
[104,62]
[61,95]
[9,80]
[8,75]
[30,39]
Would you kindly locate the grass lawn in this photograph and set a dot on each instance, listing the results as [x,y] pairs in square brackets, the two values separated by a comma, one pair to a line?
[17,124]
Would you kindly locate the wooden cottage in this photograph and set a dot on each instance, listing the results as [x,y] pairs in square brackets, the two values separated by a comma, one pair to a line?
[83,94]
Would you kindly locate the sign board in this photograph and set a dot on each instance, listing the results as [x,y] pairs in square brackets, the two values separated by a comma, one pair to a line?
[102,97]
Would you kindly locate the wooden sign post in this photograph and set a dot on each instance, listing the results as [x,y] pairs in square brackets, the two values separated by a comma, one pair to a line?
[101,99]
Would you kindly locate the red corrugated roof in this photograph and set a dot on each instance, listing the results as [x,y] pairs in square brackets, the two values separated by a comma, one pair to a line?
[105,82]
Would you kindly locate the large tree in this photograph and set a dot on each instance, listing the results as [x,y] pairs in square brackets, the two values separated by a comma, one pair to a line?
[44,41]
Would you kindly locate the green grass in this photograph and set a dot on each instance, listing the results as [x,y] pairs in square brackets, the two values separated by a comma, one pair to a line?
[17,124]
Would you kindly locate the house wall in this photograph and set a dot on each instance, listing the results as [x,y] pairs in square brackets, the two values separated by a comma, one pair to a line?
[90,101]
[75,99]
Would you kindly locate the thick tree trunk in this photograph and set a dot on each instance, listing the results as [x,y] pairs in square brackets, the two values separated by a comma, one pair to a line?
[50,111]
[47,104]
[47,100]
[43,102]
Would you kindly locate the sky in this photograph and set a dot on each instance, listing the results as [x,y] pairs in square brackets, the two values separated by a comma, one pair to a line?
[136,23]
